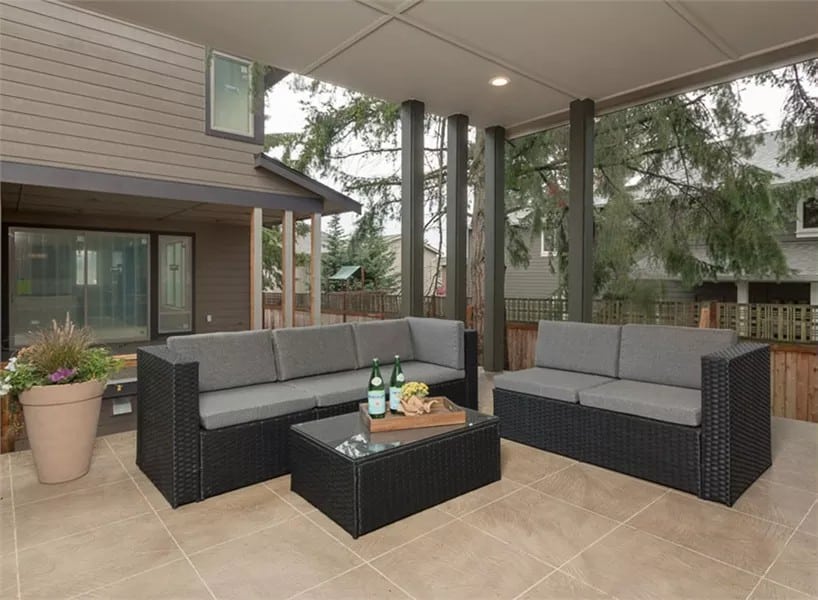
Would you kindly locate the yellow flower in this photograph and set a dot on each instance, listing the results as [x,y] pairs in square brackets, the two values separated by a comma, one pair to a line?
[414,388]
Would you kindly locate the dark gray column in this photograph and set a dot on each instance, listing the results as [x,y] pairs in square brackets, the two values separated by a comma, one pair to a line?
[411,287]
[494,317]
[456,223]
[581,211]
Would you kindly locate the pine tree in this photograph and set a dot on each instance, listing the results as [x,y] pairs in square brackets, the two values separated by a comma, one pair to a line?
[334,256]
[271,254]
[369,249]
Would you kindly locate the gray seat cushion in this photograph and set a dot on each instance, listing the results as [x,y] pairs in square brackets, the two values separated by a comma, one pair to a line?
[223,408]
[428,373]
[549,383]
[306,351]
[667,403]
[330,389]
[383,340]
[230,359]
[580,347]
[438,341]
[669,355]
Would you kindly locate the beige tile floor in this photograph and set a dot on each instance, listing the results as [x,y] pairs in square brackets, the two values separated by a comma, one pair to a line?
[551,528]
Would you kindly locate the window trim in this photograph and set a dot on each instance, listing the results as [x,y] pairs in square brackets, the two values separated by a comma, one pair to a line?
[543,252]
[800,230]
[258,103]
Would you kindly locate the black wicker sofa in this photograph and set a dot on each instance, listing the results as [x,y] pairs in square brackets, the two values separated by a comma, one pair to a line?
[683,407]
[214,410]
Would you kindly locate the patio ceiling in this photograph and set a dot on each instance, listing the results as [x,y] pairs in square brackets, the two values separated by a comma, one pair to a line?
[444,53]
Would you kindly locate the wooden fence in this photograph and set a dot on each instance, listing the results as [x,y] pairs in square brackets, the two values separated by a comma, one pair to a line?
[790,323]
[793,369]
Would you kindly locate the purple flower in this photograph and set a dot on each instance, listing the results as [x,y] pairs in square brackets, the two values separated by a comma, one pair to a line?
[60,375]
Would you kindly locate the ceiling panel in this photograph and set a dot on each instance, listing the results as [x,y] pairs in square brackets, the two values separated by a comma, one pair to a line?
[289,35]
[398,62]
[587,48]
[752,26]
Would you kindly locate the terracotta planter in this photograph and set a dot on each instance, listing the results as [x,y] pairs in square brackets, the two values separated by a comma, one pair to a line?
[61,425]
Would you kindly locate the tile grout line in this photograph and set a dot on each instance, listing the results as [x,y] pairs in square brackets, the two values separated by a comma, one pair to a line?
[365,561]
[246,535]
[781,552]
[85,531]
[156,514]
[86,489]
[789,485]
[128,578]
[14,529]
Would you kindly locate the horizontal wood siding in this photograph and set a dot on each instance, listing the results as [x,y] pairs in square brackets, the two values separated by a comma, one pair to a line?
[221,260]
[84,91]
[535,281]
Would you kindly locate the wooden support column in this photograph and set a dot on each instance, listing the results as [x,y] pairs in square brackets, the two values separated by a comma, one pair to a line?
[288,269]
[411,118]
[256,264]
[315,269]
[581,211]
[494,314]
[456,223]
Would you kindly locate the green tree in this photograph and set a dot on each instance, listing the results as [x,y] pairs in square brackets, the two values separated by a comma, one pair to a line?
[369,249]
[271,244]
[334,256]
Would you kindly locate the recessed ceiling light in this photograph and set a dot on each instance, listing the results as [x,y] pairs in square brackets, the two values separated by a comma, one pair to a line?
[499,81]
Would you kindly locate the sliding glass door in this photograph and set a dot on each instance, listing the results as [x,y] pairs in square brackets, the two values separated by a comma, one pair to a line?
[100,279]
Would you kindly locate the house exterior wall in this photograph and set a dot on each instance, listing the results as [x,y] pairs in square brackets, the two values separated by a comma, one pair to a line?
[221,260]
[84,91]
[538,280]
[430,266]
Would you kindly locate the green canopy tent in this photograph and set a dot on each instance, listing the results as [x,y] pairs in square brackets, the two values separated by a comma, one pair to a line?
[347,272]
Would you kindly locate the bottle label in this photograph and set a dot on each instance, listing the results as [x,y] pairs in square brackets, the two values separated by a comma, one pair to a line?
[376,402]
[400,378]
[376,381]
[394,398]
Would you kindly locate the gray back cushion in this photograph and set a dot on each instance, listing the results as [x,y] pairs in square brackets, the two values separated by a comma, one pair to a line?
[438,341]
[382,340]
[305,351]
[229,359]
[669,355]
[581,347]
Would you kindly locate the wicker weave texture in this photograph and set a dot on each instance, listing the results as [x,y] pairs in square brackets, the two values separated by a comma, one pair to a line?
[362,495]
[736,445]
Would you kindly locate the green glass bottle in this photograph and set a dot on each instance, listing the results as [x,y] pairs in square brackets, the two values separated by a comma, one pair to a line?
[395,385]
[376,395]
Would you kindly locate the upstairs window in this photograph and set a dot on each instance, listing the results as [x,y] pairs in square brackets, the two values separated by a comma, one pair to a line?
[231,102]
[548,243]
[807,218]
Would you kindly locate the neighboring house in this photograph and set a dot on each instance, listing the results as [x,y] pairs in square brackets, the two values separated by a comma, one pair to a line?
[133,186]
[799,244]
[433,264]
[430,265]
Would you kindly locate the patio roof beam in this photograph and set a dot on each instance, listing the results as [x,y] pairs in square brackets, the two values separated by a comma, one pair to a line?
[456,223]
[581,211]
[411,117]
[495,221]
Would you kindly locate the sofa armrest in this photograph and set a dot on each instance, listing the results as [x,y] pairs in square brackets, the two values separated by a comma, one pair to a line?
[470,351]
[735,438]
[167,430]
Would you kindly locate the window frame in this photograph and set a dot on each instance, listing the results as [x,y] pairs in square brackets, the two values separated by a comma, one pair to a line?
[547,253]
[800,230]
[257,136]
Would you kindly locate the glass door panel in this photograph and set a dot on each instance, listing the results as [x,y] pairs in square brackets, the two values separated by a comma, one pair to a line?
[45,273]
[175,297]
[116,285]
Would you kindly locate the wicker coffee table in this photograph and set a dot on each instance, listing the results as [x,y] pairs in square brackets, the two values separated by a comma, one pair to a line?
[364,481]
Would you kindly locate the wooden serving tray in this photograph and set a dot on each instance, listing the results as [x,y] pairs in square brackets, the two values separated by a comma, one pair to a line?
[444,413]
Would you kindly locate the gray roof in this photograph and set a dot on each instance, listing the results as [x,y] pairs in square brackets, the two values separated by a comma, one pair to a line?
[334,201]
[766,157]
[801,257]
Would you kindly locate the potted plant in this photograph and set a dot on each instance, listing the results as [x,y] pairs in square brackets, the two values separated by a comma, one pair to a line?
[59,380]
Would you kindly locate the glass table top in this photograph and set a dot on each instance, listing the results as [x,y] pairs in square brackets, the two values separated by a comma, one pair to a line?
[349,435]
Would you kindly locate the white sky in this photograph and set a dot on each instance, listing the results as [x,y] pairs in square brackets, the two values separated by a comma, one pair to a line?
[285,115]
